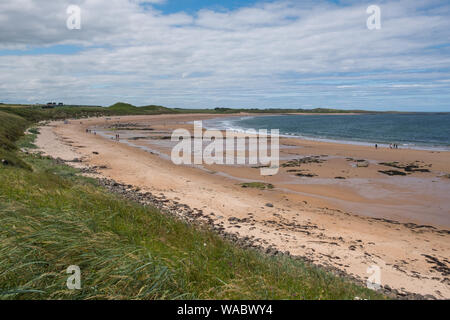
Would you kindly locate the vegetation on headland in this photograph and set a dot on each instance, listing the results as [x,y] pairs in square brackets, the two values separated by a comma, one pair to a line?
[38,113]
[51,217]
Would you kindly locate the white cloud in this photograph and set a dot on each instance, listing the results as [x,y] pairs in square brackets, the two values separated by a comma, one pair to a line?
[274,53]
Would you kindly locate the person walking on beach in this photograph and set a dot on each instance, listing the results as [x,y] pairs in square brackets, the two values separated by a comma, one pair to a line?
[376,146]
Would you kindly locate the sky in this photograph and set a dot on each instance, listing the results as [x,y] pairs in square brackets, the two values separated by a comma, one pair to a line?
[236,53]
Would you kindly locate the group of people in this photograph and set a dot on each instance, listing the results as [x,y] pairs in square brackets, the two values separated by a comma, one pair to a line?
[117,137]
[391,146]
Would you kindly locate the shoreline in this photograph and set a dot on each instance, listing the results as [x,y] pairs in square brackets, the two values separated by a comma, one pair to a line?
[409,146]
[325,235]
[435,185]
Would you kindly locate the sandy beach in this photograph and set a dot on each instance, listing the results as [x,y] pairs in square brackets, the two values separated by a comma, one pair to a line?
[329,209]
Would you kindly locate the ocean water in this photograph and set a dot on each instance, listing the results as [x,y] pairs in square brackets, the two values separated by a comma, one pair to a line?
[418,130]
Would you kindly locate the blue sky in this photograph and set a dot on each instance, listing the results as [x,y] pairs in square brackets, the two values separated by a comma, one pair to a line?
[192,6]
[247,53]
[33,50]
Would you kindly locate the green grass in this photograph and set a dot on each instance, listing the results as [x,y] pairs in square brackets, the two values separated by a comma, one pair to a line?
[11,129]
[127,109]
[27,140]
[51,218]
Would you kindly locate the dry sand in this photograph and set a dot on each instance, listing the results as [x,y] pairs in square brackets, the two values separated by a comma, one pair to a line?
[397,223]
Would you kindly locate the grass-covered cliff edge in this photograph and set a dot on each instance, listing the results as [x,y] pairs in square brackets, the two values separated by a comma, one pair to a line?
[51,217]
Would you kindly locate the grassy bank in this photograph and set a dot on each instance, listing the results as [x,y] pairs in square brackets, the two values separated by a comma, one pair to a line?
[11,129]
[51,218]
[37,113]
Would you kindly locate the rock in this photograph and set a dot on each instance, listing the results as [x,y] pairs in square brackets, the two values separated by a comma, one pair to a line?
[392,172]
[59,161]
[306,175]
[271,251]
[305,160]
[269,205]
[362,164]
[416,169]
[416,166]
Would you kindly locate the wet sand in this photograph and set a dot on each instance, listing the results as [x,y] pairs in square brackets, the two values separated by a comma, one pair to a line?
[343,216]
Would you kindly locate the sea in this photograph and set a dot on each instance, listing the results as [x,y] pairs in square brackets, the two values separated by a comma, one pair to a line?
[429,131]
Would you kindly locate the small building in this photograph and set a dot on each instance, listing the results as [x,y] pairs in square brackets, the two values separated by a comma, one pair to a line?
[49,105]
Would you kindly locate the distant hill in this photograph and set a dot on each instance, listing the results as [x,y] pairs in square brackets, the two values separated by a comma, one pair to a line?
[126,108]
[158,109]
[37,112]
[122,106]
